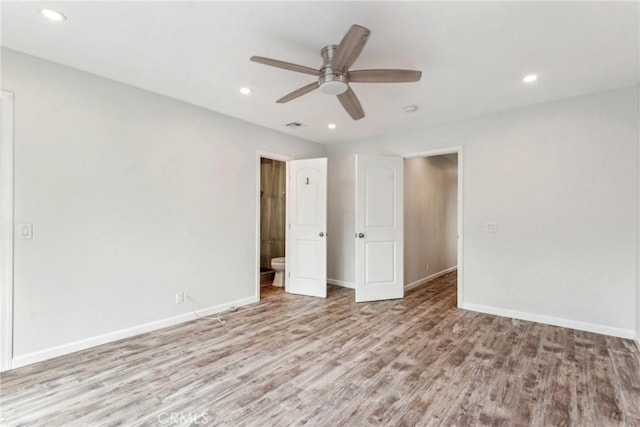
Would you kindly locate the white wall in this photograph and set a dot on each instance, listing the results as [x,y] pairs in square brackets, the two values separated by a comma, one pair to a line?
[430,217]
[560,181]
[133,197]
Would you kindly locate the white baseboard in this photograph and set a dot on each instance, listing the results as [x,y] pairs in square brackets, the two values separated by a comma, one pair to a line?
[412,285]
[429,278]
[342,283]
[50,353]
[548,320]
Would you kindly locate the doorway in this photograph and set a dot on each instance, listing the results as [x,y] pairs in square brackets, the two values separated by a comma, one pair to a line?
[261,277]
[272,225]
[433,217]
[305,213]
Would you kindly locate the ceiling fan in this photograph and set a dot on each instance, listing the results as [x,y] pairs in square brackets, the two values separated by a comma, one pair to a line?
[334,76]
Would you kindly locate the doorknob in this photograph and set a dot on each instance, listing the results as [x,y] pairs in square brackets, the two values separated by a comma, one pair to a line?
[321,234]
[361,235]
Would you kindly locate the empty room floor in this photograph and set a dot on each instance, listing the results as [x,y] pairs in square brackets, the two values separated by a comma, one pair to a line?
[292,360]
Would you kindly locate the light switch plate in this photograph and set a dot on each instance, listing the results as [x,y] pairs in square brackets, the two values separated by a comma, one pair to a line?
[24,231]
[490,227]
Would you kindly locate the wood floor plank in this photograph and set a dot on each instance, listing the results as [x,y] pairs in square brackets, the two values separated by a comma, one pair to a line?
[291,360]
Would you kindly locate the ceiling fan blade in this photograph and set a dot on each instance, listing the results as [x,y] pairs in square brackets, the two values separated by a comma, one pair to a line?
[285,65]
[298,92]
[384,76]
[350,102]
[350,47]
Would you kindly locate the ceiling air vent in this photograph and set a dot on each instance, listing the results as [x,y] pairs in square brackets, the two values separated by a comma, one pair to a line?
[294,125]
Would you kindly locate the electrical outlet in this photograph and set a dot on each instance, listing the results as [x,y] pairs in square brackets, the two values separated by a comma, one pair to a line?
[179,297]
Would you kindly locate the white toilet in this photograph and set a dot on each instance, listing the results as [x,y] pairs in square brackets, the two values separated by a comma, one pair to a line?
[278,265]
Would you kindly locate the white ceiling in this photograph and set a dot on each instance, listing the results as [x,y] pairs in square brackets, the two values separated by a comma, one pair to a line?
[473,54]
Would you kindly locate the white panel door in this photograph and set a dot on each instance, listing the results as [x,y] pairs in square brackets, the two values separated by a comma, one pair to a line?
[306,257]
[379,232]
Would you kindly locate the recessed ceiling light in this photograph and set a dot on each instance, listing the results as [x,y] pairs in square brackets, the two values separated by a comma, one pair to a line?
[530,78]
[331,125]
[53,15]
[410,108]
[245,90]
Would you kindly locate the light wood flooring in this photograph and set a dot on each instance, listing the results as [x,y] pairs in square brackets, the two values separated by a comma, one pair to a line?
[270,291]
[292,360]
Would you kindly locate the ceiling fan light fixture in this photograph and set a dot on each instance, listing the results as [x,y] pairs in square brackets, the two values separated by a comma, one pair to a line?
[332,82]
[334,87]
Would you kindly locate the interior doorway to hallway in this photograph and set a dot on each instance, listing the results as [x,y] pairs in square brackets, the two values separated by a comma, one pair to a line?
[432,217]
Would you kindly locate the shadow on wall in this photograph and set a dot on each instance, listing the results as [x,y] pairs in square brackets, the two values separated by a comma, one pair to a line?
[272,210]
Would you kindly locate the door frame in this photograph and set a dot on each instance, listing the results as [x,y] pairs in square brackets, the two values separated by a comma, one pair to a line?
[460,261]
[273,156]
[6,229]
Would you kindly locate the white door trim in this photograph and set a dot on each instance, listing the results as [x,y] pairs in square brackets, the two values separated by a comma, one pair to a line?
[6,231]
[459,151]
[272,156]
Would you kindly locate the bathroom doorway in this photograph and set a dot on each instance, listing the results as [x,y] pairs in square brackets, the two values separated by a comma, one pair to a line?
[272,226]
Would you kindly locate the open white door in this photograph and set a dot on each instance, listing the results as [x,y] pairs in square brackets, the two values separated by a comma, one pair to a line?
[306,258]
[379,232]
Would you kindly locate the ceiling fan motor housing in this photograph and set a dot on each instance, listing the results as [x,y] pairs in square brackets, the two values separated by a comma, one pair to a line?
[332,82]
